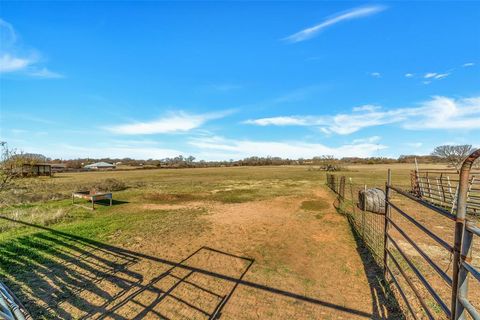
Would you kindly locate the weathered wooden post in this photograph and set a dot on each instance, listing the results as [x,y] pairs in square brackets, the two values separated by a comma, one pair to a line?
[341,189]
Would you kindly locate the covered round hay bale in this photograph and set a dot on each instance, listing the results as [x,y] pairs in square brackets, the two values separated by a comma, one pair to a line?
[372,200]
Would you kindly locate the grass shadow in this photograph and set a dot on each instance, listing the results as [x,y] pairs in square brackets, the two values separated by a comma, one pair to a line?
[384,303]
[61,275]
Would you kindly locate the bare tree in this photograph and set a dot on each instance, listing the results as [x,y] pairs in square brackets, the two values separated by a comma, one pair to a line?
[453,154]
[8,166]
[327,163]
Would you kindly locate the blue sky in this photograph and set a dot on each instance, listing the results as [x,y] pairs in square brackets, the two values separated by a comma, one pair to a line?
[227,80]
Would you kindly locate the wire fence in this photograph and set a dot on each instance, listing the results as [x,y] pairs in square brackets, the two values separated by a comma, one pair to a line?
[416,241]
[369,226]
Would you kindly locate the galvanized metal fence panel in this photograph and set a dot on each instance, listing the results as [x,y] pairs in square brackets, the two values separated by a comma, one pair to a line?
[393,238]
[369,226]
[440,187]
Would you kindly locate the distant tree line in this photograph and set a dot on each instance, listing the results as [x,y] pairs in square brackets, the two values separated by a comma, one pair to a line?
[450,154]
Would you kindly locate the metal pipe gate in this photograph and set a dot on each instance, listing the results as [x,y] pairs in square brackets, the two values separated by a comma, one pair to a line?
[465,231]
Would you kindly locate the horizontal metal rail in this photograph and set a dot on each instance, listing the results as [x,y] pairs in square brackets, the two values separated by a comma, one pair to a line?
[422,227]
[444,276]
[471,269]
[10,307]
[473,229]
[470,308]
[474,170]
[402,294]
[422,278]
[424,203]
[412,286]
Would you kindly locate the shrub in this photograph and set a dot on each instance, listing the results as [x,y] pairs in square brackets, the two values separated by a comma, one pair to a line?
[106,185]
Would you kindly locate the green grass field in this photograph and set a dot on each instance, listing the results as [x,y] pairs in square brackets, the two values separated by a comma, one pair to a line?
[281,217]
[46,200]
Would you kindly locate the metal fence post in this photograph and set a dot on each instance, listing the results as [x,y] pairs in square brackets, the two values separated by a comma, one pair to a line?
[459,276]
[462,273]
[385,231]
[363,219]
[351,196]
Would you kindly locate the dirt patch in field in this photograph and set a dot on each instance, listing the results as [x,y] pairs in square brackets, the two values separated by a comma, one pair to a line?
[254,212]
[168,206]
[267,259]
[308,251]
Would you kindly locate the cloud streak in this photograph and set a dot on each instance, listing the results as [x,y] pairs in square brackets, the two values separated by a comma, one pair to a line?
[356,13]
[435,75]
[178,122]
[14,58]
[111,151]
[9,63]
[436,113]
[219,148]
[45,73]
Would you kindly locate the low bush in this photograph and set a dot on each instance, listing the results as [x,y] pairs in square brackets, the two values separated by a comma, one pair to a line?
[106,185]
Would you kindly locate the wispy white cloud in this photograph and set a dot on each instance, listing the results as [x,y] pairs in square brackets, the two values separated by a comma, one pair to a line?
[45,73]
[430,75]
[376,74]
[15,58]
[69,151]
[286,121]
[366,107]
[9,63]
[441,76]
[436,113]
[362,117]
[373,139]
[444,113]
[219,148]
[356,13]
[174,123]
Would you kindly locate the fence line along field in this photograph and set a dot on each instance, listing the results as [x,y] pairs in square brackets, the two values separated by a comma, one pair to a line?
[234,243]
[421,228]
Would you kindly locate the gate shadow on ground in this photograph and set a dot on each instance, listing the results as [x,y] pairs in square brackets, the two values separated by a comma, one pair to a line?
[60,275]
[384,303]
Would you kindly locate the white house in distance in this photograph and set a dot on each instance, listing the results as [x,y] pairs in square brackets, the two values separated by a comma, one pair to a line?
[100,166]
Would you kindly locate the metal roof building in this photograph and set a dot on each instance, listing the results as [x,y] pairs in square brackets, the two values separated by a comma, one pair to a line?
[100,166]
